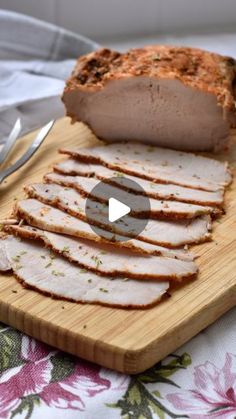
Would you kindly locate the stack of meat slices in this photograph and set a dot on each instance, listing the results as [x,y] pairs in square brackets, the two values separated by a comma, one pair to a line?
[53,249]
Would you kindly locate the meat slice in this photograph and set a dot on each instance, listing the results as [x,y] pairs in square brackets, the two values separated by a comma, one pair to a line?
[158,164]
[169,234]
[158,208]
[36,268]
[82,230]
[4,262]
[176,97]
[104,260]
[169,191]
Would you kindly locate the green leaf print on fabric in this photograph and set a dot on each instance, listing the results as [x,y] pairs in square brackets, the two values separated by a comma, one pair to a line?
[26,406]
[138,402]
[34,375]
[10,344]
[63,366]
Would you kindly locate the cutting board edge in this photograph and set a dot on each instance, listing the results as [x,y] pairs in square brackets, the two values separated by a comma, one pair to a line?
[50,334]
[125,360]
[199,321]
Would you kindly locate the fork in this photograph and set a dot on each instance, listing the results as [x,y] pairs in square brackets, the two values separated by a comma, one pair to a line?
[28,154]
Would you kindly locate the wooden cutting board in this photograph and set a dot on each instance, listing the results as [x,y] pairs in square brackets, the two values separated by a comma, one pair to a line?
[125,340]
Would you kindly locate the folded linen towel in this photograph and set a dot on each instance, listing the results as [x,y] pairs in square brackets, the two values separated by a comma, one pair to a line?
[35,59]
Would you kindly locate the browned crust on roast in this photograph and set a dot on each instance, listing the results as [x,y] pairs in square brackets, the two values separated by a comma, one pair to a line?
[155,195]
[31,235]
[31,221]
[57,204]
[62,298]
[173,198]
[97,160]
[73,172]
[159,215]
[152,194]
[58,297]
[196,68]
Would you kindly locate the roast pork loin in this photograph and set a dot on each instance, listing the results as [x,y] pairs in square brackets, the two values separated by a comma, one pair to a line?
[81,229]
[72,167]
[159,232]
[158,208]
[5,264]
[181,98]
[158,164]
[105,260]
[36,268]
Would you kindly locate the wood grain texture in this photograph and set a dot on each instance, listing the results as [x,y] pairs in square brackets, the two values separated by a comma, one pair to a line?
[125,340]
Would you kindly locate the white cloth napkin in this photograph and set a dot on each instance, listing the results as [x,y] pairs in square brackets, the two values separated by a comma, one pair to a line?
[35,59]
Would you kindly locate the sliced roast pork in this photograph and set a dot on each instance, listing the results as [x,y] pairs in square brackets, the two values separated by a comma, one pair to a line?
[176,97]
[52,275]
[158,208]
[158,164]
[82,230]
[113,262]
[5,264]
[169,191]
[164,233]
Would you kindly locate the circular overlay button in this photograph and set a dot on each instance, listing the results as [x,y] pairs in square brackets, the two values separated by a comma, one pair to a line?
[112,206]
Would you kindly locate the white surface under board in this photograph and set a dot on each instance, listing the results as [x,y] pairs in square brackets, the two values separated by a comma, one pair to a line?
[109,18]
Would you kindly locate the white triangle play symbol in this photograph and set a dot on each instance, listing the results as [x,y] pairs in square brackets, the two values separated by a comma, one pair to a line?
[117,209]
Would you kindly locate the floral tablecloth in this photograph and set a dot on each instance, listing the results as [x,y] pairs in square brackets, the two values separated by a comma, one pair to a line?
[39,382]
[199,380]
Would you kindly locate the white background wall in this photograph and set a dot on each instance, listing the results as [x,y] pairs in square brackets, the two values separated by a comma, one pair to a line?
[101,19]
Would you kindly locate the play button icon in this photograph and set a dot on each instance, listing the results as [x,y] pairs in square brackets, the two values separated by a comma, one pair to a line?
[119,206]
[116,209]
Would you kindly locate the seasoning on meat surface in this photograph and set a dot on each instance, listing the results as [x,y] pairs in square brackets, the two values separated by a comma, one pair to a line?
[158,164]
[105,260]
[160,232]
[33,266]
[167,191]
[177,97]
[172,210]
